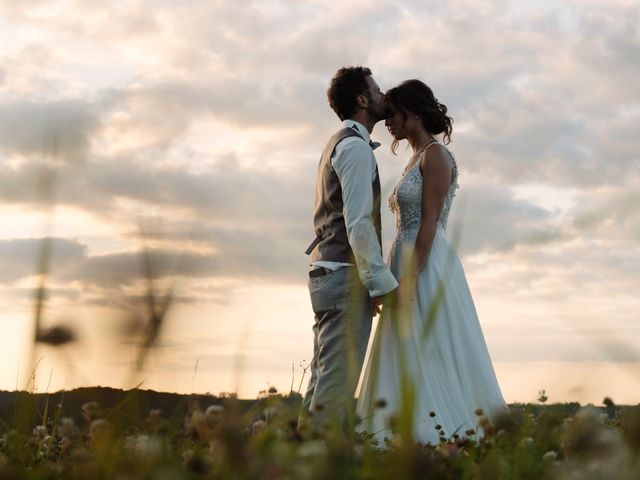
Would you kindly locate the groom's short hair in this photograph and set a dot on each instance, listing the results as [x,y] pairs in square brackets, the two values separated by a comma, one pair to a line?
[345,86]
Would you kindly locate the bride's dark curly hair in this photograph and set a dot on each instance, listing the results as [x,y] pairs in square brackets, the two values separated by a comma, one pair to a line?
[413,97]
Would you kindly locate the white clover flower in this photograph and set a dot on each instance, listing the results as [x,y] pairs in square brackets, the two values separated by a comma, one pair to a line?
[91,411]
[67,428]
[40,432]
[526,442]
[214,413]
[99,429]
[313,448]
[269,412]
[143,446]
[217,409]
[258,426]
[187,455]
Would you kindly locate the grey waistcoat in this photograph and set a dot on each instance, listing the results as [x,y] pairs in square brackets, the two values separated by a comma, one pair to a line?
[332,243]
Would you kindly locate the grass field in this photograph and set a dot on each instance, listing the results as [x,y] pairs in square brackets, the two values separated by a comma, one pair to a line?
[106,433]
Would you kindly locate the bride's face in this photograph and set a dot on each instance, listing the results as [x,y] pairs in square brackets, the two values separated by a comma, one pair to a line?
[395,122]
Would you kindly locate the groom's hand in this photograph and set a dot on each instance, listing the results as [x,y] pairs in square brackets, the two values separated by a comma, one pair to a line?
[388,300]
[377,306]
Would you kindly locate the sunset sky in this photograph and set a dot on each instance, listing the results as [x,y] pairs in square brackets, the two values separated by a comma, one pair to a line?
[193,129]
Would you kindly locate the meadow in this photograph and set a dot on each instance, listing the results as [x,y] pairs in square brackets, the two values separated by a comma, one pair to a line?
[100,433]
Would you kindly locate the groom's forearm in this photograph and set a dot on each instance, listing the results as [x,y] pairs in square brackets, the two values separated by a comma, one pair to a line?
[355,172]
[372,269]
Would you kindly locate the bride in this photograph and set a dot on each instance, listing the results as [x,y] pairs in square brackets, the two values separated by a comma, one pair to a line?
[429,369]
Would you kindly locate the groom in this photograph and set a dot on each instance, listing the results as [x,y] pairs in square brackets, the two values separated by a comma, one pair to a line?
[348,278]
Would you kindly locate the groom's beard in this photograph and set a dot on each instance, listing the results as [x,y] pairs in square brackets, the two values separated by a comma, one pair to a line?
[377,114]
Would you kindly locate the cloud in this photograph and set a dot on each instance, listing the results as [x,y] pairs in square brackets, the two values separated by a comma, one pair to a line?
[489,218]
[53,128]
[20,257]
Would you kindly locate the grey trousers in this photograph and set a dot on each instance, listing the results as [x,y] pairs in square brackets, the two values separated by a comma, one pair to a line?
[343,315]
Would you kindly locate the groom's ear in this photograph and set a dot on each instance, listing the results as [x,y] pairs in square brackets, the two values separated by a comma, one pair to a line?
[362,101]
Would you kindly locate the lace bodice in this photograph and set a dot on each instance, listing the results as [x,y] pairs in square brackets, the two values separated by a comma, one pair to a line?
[406,200]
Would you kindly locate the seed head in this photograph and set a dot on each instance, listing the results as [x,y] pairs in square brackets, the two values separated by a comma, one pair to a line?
[380,403]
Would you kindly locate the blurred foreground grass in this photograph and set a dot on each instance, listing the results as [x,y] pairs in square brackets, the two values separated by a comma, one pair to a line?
[138,434]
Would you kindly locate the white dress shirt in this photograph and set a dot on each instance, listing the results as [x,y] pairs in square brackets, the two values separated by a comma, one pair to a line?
[355,166]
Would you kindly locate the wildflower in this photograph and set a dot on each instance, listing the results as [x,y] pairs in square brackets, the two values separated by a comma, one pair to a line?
[99,430]
[380,403]
[143,446]
[586,436]
[449,450]
[196,425]
[542,396]
[269,412]
[91,411]
[155,423]
[65,445]
[313,448]
[40,432]
[67,428]
[527,442]
[213,414]
[550,456]
[258,426]
[187,455]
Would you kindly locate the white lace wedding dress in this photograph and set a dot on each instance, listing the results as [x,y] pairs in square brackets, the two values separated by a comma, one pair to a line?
[438,346]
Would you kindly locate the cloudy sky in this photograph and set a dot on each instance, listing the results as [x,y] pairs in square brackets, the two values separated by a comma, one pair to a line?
[191,130]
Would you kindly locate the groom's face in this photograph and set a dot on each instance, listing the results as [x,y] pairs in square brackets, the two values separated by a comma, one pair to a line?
[377,108]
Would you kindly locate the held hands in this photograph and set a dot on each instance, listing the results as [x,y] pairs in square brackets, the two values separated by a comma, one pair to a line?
[399,298]
[387,300]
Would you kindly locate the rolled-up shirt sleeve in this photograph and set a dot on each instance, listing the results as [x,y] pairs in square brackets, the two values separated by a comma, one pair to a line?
[355,166]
